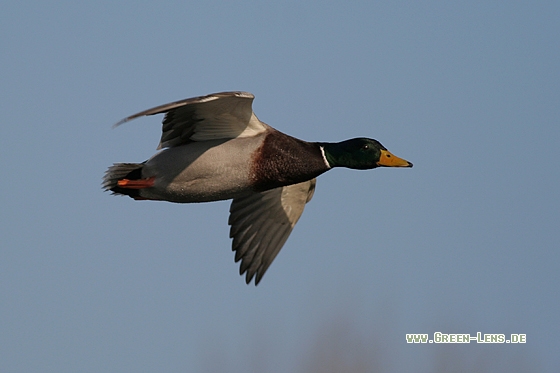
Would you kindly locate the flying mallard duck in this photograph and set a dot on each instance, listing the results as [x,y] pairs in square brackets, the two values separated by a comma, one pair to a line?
[215,148]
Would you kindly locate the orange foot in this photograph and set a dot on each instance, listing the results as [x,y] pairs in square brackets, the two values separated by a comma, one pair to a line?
[136,184]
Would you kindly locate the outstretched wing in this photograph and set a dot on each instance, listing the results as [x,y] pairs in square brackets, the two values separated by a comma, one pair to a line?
[224,115]
[261,223]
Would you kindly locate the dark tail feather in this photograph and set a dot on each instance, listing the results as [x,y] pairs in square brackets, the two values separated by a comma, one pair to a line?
[119,171]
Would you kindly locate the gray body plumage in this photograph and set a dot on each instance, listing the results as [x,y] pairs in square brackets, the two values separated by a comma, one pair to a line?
[202,171]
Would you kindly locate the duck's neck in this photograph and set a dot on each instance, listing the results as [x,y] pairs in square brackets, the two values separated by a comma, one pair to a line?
[324,154]
[333,154]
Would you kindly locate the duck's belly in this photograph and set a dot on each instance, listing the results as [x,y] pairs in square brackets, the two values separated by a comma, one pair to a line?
[201,171]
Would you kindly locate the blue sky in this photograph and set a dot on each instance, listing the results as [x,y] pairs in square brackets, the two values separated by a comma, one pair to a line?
[465,242]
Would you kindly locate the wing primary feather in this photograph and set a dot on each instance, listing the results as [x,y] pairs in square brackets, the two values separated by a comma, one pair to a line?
[280,240]
[241,245]
[249,219]
[250,248]
[258,246]
[276,243]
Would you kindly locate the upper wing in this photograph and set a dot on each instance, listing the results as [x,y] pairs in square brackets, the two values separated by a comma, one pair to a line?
[224,115]
[261,223]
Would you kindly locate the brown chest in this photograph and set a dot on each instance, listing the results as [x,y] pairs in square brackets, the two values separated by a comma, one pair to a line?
[283,160]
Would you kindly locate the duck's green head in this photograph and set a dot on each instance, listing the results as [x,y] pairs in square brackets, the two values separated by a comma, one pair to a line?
[361,154]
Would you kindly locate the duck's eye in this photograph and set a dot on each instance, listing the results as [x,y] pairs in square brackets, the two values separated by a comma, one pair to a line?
[365,147]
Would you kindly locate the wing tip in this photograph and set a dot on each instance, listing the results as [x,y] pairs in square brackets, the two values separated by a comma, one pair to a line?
[122,121]
[250,275]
